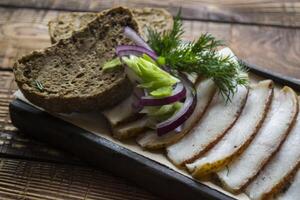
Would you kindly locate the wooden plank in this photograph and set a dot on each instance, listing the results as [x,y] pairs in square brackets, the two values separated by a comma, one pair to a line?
[271,12]
[274,48]
[21,179]
[22,31]
[7,87]
[5,98]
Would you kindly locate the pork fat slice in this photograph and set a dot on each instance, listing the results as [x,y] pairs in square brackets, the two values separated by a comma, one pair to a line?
[292,192]
[275,128]
[219,117]
[239,136]
[280,168]
[120,112]
[130,129]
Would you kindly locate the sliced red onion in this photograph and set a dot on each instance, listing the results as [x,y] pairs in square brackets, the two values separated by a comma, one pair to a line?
[127,50]
[183,114]
[178,93]
[135,37]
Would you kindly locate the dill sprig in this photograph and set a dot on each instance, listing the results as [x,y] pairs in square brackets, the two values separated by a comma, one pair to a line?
[39,85]
[200,56]
[167,41]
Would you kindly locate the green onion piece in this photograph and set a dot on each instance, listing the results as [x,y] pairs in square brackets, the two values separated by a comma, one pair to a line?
[162,92]
[112,64]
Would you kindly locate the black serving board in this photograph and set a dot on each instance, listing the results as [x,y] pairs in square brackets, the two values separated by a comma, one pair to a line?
[116,159]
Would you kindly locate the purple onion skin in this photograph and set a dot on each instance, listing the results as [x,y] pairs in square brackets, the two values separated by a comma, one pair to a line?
[127,50]
[149,101]
[136,38]
[170,125]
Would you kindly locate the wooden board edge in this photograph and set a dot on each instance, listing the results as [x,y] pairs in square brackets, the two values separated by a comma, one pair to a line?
[276,77]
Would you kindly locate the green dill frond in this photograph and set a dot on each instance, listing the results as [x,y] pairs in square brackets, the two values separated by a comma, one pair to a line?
[168,40]
[200,56]
[205,42]
[39,85]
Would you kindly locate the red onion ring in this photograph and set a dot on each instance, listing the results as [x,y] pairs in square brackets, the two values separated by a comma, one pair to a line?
[135,37]
[183,114]
[178,93]
[127,50]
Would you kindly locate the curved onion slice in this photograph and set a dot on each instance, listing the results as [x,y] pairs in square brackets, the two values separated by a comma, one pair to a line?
[136,38]
[178,94]
[126,50]
[183,114]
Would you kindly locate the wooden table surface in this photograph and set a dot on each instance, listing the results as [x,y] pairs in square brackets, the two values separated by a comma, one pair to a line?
[265,33]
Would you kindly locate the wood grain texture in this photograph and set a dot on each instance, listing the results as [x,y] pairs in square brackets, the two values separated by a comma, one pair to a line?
[21,179]
[5,98]
[22,31]
[7,88]
[271,12]
[274,48]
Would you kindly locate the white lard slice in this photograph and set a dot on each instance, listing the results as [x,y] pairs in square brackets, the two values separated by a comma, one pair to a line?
[275,128]
[130,129]
[280,168]
[218,119]
[120,112]
[240,135]
[292,192]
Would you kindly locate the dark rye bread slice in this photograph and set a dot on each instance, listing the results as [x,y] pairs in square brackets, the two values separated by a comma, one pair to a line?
[68,76]
[63,25]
